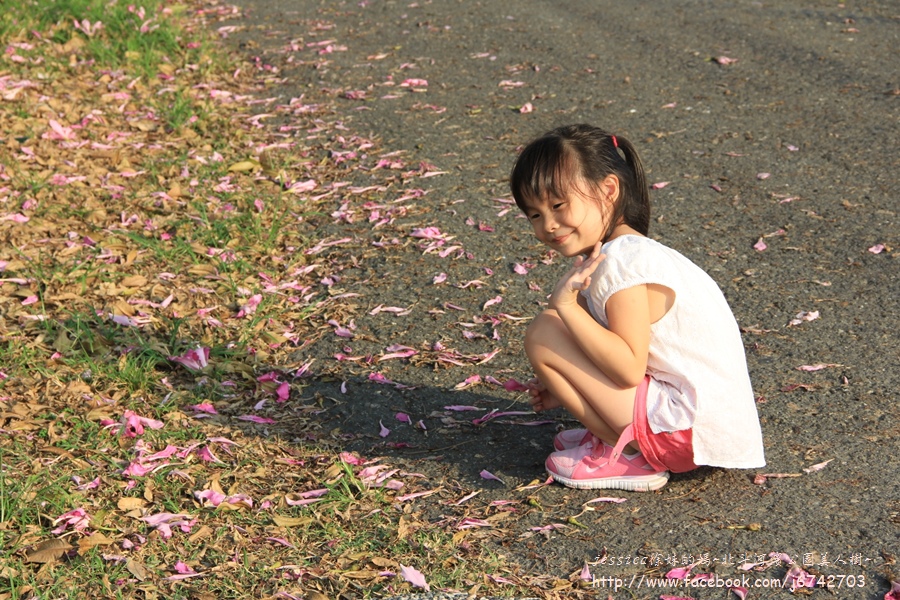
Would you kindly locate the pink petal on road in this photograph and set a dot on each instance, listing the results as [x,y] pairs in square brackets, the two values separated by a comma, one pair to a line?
[606,499]
[512,385]
[468,382]
[427,233]
[403,418]
[492,301]
[439,278]
[877,249]
[485,474]
[526,108]
[760,245]
[817,467]
[384,430]
[659,185]
[740,592]
[804,316]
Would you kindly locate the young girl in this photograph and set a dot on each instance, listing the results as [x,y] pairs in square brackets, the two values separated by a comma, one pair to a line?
[639,343]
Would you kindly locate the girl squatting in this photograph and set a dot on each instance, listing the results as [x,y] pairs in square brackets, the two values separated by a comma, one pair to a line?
[638,343]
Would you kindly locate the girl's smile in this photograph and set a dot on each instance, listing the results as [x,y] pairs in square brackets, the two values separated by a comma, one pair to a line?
[571,225]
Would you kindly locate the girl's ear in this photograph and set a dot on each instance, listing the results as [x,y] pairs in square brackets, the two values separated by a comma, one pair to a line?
[609,187]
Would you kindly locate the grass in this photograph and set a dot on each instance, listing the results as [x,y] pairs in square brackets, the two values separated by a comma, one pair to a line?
[141,243]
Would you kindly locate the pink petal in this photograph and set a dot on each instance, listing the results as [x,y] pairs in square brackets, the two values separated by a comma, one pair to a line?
[817,467]
[659,185]
[740,592]
[492,301]
[512,385]
[763,175]
[205,407]
[586,573]
[283,391]
[414,577]
[403,418]
[469,382]
[458,407]
[606,499]
[760,245]
[439,278]
[485,474]
[211,497]
[384,430]
[679,573]
[894,593]
[877,249]
[257,419]
[526,108]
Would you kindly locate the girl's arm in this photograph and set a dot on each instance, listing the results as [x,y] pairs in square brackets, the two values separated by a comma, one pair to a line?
[620,351]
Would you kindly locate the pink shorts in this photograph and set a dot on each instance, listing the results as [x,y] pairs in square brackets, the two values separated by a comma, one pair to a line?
[667,451]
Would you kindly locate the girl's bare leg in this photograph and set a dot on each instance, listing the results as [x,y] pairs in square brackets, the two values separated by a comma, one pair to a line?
[570,378]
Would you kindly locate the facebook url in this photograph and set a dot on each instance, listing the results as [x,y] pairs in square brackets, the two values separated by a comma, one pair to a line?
[712,581]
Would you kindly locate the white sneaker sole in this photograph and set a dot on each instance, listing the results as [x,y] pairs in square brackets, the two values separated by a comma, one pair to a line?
[633,483]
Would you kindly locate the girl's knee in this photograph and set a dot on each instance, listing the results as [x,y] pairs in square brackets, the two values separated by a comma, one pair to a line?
[542,330]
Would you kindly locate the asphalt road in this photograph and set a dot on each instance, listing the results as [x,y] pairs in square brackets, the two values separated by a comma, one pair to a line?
[769,121]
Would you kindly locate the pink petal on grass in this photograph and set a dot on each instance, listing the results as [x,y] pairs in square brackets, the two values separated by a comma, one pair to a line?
[485,474]
[210,497]
[193,360]
[257,419]
[205,407]
[414,577]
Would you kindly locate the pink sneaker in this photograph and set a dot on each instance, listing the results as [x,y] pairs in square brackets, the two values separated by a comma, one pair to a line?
[572,438]
[584,468]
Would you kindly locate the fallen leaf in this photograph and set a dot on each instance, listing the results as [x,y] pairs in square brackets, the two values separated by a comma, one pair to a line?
[48,551]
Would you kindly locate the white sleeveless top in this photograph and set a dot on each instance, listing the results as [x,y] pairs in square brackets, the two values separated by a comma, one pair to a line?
[697,367]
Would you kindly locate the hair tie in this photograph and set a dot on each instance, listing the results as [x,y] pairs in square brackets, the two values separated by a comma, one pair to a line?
[615,142]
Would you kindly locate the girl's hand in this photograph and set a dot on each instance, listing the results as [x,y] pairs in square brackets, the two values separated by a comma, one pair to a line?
[541,399]
[577,279]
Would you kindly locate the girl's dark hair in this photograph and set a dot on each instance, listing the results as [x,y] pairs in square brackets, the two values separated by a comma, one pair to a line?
[547,166]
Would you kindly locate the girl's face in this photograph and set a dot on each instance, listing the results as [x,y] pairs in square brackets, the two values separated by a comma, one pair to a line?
[573,224]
